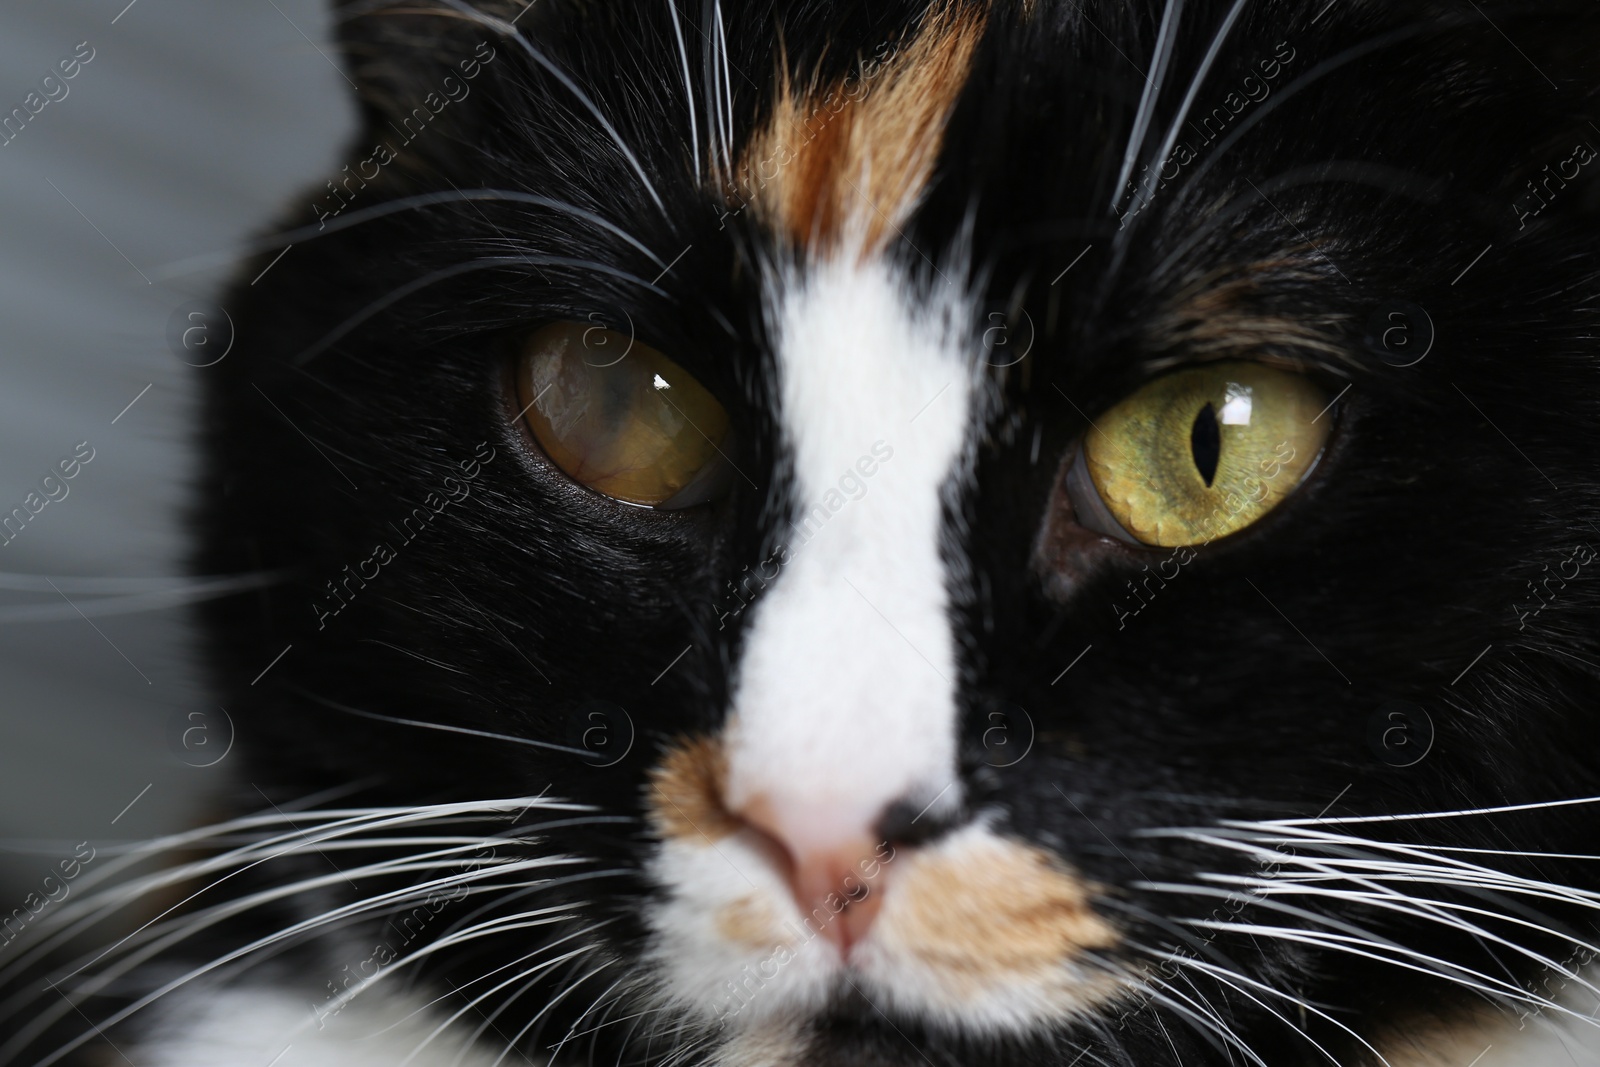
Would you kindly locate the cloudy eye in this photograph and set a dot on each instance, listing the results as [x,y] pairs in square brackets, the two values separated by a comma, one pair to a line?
[1198,454]
[621,418]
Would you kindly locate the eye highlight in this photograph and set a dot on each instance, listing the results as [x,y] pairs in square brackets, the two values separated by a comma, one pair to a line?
[1199,454]
[621,418]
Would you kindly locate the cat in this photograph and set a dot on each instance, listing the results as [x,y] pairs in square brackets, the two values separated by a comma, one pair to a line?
[1033,532]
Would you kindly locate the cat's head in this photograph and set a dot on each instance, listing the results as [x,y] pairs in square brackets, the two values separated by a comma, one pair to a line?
[955,493]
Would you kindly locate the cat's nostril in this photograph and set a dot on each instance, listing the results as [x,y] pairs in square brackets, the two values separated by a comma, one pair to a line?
[831,859]
[915,823]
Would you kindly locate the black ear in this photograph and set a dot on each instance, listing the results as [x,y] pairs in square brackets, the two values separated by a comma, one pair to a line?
[415,64]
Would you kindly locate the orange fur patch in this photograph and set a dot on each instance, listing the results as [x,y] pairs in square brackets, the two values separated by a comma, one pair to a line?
[991,911]
[850,160]
[685,797]
[752,922]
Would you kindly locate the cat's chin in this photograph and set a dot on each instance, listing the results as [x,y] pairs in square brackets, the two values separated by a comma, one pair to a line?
[974,933]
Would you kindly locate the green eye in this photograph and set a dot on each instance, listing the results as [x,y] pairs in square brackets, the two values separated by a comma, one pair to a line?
[1199,454]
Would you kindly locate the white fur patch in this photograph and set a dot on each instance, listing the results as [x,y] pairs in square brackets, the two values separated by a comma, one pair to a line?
[781,968]
[845,698]
[271,1027]
[711,978]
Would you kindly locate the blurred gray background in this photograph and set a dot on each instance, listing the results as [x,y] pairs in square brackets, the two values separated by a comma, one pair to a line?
[195,122]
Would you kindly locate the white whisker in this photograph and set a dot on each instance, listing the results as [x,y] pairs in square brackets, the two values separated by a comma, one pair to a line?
[210,260]
[1147,188]
[1392,900]
[1171,14]
[688,90]
[275,847]
[1179,1003]
[194,924]
[555,1052]
[552,1002]
[505,28]
[519,976]
[288,931]
[1350,820]
[1230,977]
[1432,966]
[160,939]
[521,921]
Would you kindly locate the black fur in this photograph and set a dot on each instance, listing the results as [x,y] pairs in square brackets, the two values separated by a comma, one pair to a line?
[1389,152]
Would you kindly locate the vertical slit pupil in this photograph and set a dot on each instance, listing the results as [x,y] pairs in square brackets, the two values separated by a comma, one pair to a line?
[1205,442]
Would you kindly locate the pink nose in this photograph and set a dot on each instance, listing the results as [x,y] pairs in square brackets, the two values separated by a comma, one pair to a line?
[833,862]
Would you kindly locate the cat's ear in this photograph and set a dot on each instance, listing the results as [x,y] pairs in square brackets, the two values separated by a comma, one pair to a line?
[416,63]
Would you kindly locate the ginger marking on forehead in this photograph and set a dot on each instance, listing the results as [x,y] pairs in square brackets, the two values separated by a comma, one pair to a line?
[850,160]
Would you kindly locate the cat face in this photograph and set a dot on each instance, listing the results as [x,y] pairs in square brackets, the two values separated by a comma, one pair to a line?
[972,501]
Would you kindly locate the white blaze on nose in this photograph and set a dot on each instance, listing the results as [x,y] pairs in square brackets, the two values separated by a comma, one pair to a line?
[845,699]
